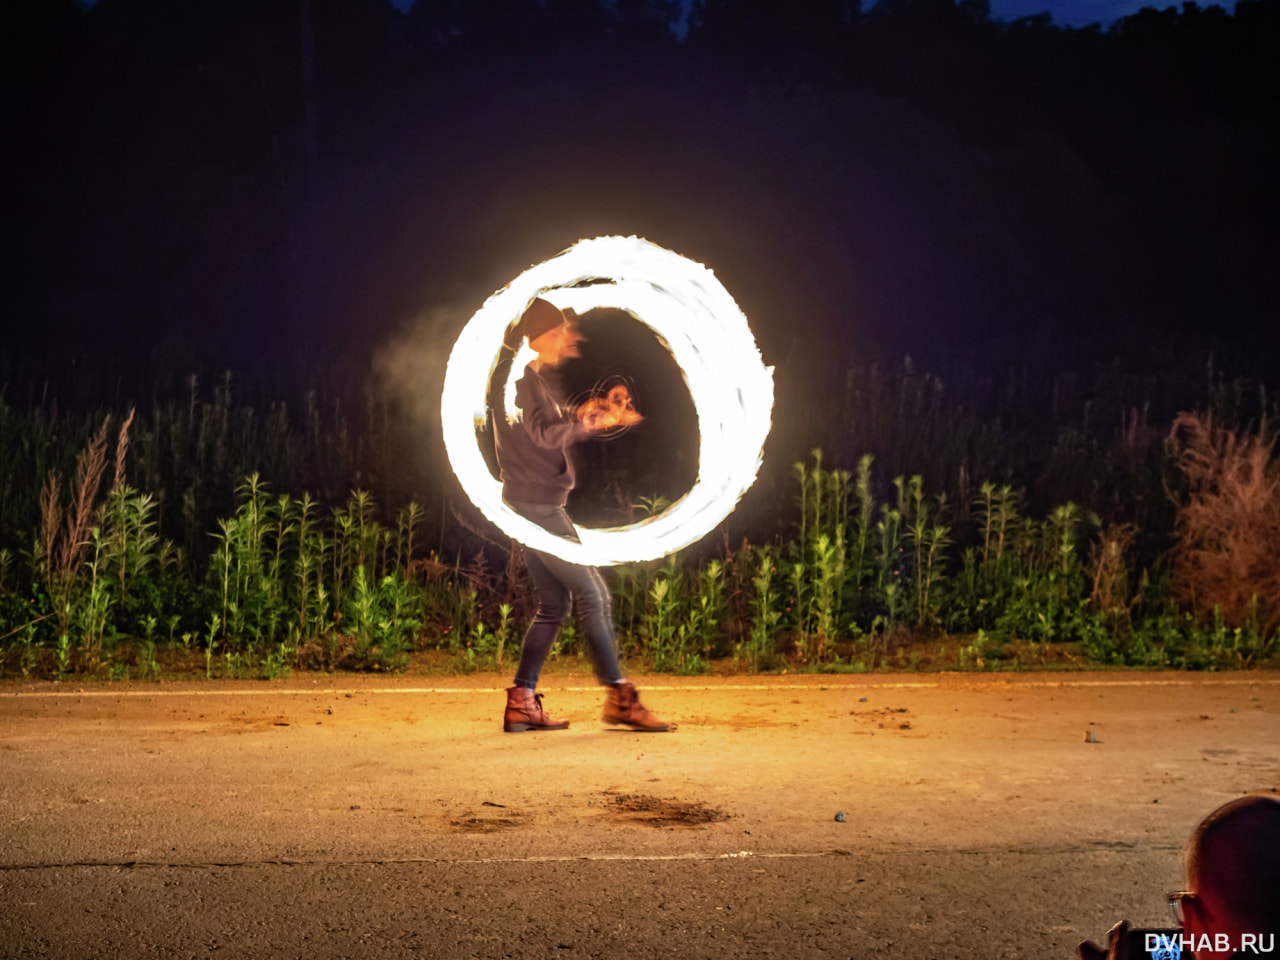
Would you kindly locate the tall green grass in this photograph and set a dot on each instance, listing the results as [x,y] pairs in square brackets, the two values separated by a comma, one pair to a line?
[1041,512]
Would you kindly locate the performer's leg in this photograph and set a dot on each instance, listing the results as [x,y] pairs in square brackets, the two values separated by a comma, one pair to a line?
[595,612]
[595,620]
[553,607]
[524,707]
[588,590]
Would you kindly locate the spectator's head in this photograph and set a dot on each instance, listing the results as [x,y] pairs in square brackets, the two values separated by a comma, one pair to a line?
[1233,872]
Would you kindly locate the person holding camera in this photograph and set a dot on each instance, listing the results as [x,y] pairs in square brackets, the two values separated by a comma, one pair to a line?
[1231,907]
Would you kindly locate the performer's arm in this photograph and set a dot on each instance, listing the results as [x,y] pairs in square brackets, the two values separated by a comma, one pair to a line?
[547,427]
[611,410]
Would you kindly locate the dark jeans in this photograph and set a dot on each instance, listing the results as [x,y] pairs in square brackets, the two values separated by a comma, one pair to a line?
[561,584]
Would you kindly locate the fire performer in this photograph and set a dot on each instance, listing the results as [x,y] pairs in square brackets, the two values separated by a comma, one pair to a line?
[537,475]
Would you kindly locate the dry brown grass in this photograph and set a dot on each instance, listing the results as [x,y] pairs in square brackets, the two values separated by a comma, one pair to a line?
[122,451]
[50,518]
[89,469]
[1109,570]
[64,545]
[1228,553]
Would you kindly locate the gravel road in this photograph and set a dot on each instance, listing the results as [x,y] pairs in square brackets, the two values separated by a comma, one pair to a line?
[316,817]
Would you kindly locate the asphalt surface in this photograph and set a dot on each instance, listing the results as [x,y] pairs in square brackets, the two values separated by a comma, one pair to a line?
[328,817]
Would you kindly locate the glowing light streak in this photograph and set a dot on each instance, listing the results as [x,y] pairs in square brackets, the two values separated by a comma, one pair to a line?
[708,337]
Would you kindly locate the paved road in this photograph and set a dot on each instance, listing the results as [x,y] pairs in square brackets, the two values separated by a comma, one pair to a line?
[327,817]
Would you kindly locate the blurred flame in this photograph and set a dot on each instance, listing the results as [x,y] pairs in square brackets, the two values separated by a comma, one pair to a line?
[709,339]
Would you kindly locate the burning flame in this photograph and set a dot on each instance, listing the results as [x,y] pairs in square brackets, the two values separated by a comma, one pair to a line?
[709,339]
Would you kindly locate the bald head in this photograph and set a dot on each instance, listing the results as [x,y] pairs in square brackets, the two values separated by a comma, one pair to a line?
[1233,864]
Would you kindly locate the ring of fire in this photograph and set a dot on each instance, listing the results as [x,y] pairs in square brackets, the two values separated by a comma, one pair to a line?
[708,337]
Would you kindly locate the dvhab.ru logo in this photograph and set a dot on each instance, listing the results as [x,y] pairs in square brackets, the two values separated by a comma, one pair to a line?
[1163,947]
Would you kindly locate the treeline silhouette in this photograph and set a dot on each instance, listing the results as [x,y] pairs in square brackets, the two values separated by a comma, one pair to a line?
[258,185]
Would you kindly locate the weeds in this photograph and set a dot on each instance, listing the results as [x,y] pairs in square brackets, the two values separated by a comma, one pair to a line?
[145,660]
[335,578]
[383,621]
[758,647]
[1230,523]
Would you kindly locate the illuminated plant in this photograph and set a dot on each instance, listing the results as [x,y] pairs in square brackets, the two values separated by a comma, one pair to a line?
[95,605]
[764,612]
[661,624]
[630,581]
[382,620]
[308,569]
[824,595]
[705,613]
[929,542]
[860,547]
[211,643]
[407,522]
[504,626]
[145,657]
[889,560]
[819,573]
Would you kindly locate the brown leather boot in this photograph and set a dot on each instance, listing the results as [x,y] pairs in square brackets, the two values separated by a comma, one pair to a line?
[622,706]
[524,712]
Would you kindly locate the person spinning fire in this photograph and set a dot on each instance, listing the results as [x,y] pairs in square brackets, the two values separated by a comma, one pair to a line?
[537,475]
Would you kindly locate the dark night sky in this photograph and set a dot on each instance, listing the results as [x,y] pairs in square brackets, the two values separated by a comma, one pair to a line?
[946,190]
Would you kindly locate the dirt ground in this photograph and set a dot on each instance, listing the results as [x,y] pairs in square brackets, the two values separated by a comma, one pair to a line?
[324,816]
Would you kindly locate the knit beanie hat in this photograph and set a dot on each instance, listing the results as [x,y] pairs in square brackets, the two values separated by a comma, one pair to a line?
[538,318]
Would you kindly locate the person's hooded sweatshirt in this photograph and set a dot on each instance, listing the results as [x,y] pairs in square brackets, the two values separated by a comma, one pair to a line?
[533,452]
